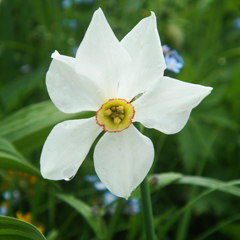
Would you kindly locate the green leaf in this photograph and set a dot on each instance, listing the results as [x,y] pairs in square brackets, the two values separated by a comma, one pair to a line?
[161,180]
[227,187]
[86,212]
[211,183]
[232,230]
[11,159]
[158,181]
[53,235]
[15,92]
[29,127]
[218,116]
[15,229]
[195,142]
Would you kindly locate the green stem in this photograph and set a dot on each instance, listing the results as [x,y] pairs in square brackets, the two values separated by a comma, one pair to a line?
[146,202]
[147,210]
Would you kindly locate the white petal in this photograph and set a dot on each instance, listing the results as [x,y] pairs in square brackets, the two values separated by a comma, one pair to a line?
[147,61]
[122,160]
[70,91]
[102,57]
[66,147]
[167,105]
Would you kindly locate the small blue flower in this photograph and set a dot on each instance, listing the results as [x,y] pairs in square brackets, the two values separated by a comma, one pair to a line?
[173,60]
[236,23]
[91,178]
[109,197]
[72,23]
[66,4]
[83,1]
[175,55]
[3,208]
[6,195]
[132,207]
[99,186]
[173,65]
[165,49]
[25,68]
[15,195]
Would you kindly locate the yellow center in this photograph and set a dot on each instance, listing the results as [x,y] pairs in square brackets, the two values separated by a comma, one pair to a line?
[115,115]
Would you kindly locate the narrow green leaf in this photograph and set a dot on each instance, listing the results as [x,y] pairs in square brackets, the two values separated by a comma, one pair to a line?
[15,92]
[227,187]
[158,181]
[29,127]
[210,183]
[220,225]
[53,235]
[12,228]
[230,231]
[161,180]
[86,212]
[11,159]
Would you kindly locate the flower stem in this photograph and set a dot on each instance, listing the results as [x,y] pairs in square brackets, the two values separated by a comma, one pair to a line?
[147,210]
[146,202]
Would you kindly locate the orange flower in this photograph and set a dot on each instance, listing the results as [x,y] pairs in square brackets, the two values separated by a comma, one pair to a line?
[27,217]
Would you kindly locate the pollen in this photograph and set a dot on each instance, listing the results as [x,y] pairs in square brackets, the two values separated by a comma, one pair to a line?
[115,115]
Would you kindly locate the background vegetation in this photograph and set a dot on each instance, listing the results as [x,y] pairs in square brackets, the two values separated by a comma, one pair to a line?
[204,156]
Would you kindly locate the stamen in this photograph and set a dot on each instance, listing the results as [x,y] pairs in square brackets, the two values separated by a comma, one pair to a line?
[137,96]
[107,113]
[117,120]
[120,109]
[113,109]
[121,116]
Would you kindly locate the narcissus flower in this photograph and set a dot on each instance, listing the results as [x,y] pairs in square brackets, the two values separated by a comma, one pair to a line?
[122,82]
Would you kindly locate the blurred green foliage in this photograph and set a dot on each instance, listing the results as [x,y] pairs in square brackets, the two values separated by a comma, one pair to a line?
[204,33]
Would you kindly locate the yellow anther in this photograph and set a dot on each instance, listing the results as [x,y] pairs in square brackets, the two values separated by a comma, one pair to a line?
[113,109]
[113,115]
[120,109]
[107,113]
[117,120]
[121,116]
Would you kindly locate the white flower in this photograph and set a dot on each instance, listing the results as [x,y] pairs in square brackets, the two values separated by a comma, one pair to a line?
[104,77]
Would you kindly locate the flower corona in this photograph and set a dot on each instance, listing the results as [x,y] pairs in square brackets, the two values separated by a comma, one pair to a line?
[115,115]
